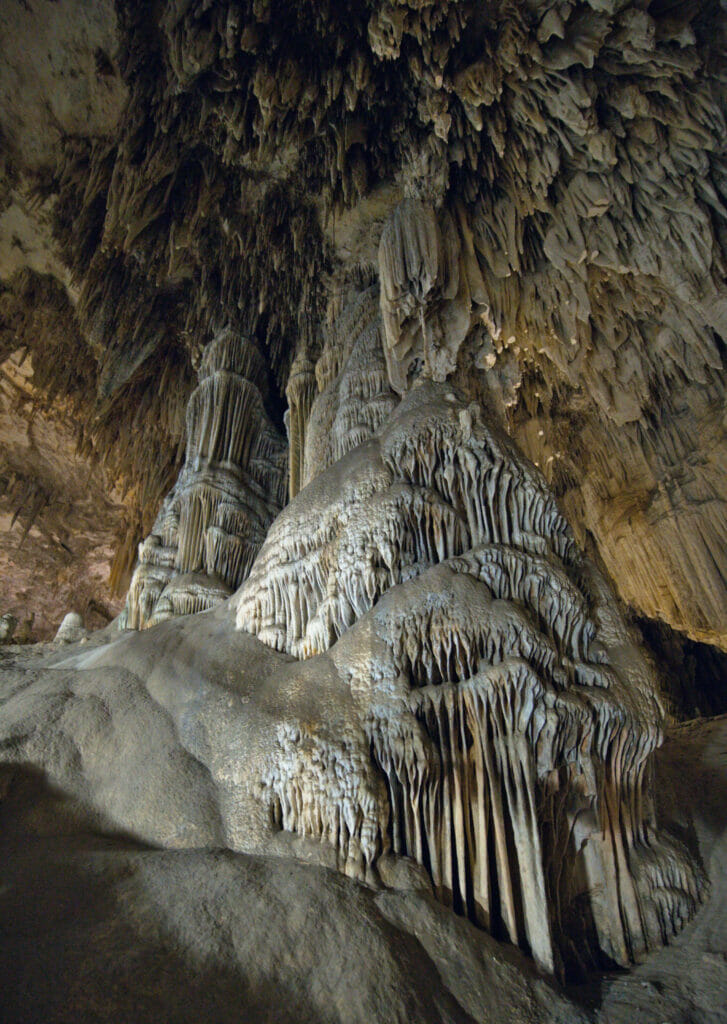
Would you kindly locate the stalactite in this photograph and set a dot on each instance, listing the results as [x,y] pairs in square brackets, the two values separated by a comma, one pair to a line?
[300,392]
[429,292]
[563,180]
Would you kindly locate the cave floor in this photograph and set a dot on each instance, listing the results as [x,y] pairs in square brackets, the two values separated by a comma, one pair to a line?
[98,926]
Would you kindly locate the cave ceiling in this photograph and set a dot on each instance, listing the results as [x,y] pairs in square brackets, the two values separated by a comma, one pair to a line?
[169,170]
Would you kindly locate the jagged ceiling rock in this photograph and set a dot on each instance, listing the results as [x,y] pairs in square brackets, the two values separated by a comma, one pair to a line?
[57,75]
[430,286]
[58,83]
[57,80]
[579,150]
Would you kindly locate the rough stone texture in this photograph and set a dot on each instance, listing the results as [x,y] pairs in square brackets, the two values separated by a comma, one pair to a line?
[59,520]
[487,658]
[120,927]
[71,630]
[233,481]
[57,80]
[203,167]
[8,624]
[469,697]
[433,225]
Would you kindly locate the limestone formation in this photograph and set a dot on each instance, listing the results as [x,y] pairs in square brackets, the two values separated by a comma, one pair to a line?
[212,524]
[565,166]
[429,283]
[471,259]
[504,702]
[8,624]
[60,517]
[71,630]
[354,394]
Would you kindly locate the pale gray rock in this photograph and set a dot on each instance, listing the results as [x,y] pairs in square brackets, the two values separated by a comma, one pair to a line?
[233,480]
[200,934]
[71,630]
[8,624]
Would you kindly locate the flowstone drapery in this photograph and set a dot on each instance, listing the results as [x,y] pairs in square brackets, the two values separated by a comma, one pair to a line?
[212,524]
[507,713]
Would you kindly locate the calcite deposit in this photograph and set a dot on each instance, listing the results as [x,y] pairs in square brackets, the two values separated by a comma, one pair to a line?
[373,355]
[71,630]
[233,480]
[229,171]
[504,701]
[498,716]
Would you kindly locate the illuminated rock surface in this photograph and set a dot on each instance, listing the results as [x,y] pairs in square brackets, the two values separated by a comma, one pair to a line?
[233,480]
[379,350]
[164,175]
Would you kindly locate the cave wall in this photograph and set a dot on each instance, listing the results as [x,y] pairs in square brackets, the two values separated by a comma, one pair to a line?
[59,517]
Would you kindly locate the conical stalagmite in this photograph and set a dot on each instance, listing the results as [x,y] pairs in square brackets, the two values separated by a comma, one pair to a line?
[508,708]
[300,392]
[233,481]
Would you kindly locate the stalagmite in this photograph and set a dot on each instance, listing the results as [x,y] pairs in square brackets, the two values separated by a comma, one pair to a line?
[212,524]
[354,394]
[8,625]
[508,709]
[71,629]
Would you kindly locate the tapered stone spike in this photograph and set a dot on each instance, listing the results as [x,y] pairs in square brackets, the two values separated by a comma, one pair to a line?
[300,392]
